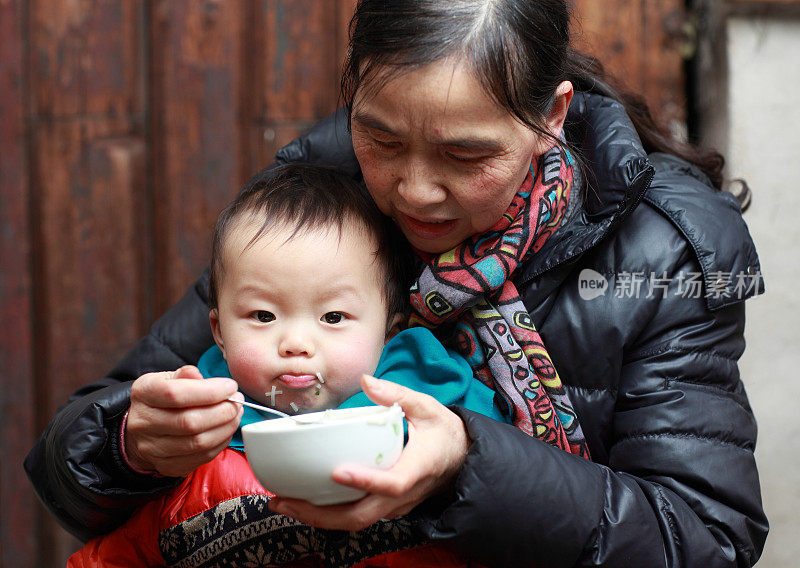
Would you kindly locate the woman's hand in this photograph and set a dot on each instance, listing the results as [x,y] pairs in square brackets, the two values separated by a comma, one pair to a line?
[436,450]
[179,421]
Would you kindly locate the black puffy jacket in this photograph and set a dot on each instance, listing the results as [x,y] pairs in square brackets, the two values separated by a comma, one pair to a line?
[650,365]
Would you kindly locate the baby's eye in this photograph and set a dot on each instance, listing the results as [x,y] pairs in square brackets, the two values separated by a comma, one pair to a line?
[263,316]
[334,317]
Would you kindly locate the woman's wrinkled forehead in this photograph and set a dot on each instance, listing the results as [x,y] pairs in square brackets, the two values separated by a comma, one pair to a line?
[444,100]
[376,77]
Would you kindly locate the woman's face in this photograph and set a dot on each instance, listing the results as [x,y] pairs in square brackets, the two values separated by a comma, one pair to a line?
[439,156]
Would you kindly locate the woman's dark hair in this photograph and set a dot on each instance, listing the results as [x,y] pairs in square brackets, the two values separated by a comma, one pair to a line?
[518,49]
[304,197]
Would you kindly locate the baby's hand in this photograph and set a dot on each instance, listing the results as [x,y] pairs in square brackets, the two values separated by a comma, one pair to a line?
[179,421]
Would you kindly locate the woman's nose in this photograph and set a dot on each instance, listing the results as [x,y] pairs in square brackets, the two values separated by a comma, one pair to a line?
[296,342]
[419,187]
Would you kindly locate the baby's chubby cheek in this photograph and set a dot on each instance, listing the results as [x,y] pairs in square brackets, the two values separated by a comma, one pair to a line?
[248,368]
[352,363]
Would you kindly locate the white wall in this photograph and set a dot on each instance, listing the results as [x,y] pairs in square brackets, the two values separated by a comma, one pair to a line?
[763,146]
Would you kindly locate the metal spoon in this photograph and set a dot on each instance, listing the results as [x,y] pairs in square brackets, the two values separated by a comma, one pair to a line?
[300,419]
[261,408]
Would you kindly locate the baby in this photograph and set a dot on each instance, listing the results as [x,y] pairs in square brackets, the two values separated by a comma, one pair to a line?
[309,291]
[306,278]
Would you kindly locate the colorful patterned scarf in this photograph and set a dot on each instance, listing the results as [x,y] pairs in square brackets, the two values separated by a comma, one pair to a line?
[470,288]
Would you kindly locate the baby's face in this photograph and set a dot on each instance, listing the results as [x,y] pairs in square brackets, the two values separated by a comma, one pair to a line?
[289,308]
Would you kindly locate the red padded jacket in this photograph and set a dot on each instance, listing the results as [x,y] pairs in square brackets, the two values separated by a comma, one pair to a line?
[219,515]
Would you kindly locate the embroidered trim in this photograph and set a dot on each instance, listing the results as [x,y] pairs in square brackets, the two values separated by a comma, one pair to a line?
[244,532]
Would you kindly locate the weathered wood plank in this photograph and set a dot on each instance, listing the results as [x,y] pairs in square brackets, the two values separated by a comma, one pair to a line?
[18,515]
[90,276]
[346,8]
[297,74]
[85,57]
[303,46]
[198,125]
[631,38]
[661,76]
[89,225]
[611,30]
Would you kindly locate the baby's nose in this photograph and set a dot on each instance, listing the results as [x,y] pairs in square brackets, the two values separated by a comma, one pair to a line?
[296,343]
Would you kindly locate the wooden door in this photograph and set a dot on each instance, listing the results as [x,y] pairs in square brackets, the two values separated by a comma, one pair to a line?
[125,127]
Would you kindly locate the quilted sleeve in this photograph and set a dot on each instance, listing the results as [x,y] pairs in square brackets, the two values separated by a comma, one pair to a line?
[76,467]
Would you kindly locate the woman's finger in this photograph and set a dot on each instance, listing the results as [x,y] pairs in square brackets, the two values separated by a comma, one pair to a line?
[188,372]
[402,480]
[349,516]
[437,446]
[179,455]
[182,422]
[179,431]
[415,405]
[181,466]
[162,390]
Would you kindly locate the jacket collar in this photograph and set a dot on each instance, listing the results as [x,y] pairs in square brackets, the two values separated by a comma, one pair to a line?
[712,222]
[616,173]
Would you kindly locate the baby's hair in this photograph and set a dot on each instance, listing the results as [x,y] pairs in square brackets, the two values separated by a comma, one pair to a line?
[304,196]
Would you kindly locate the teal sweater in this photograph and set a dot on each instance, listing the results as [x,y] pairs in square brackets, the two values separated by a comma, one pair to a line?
[413,358]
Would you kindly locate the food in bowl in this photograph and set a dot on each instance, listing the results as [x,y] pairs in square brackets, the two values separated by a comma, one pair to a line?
[295,458]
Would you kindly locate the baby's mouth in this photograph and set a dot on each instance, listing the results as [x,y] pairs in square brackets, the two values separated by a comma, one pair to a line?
[297,381]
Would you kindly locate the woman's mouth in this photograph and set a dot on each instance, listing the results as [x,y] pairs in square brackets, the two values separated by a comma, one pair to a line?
[428,229]
[297,381]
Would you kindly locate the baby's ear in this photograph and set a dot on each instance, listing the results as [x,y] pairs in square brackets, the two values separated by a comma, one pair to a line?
[213,317]
[395,325]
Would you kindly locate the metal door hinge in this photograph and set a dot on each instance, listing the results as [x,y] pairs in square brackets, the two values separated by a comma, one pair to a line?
[681,28]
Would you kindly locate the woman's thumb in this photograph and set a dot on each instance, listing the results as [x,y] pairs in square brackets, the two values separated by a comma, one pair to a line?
[188,372]
[387,393]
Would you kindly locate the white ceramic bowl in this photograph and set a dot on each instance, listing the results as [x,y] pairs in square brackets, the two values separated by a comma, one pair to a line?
[296,460]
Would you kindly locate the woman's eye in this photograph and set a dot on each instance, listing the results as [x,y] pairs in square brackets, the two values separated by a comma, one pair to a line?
[333,318]
[458,158]
[389,144]
[263,316]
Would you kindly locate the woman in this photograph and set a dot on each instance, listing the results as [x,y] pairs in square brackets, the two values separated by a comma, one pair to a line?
[458,113]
